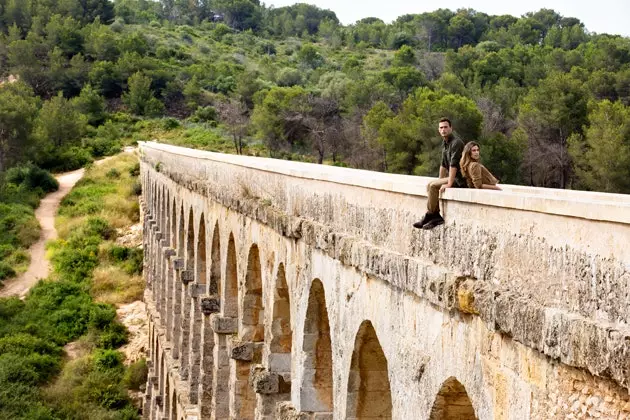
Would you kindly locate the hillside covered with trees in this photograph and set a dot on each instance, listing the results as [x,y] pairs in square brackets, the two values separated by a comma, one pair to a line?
[547,100]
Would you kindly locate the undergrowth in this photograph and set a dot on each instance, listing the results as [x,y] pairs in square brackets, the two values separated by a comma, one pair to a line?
[72,305]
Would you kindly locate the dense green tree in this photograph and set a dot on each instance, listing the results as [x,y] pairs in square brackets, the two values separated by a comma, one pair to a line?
[139,97]
[411,139]
[90,104]
[602,156]
[60,124]
[271,118]
[18,111]
[549,115]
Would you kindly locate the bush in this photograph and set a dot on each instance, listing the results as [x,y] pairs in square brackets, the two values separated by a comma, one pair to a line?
[136,375]
[108,359]
[100,146]
[170,123]
[6,271]
[204,114]
[32,177]
[66,159]
[113,173]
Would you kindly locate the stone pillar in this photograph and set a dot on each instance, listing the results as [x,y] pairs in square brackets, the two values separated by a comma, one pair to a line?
[186,276]
[222,327]
[208,305]
[196,291]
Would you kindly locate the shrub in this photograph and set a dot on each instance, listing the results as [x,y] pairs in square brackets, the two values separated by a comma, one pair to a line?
[105,359]
[136,375]
[113,173]
[6,271]
[135,169]
[66,159]
[170,123]
[32,177]
[114,337]
[204,114]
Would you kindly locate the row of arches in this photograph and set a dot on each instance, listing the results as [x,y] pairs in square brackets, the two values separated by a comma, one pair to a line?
[206,366]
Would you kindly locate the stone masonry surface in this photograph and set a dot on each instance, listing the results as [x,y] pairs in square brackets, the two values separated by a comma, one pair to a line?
[288,290]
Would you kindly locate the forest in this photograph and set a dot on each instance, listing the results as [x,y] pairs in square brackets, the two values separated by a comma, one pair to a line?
[548,101]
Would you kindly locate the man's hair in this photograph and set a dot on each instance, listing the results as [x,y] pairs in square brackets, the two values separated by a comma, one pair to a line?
[444,119]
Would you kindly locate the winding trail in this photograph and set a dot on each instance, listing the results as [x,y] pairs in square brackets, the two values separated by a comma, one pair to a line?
[45,214]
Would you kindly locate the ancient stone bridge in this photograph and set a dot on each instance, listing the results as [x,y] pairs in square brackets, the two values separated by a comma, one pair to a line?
[285,290]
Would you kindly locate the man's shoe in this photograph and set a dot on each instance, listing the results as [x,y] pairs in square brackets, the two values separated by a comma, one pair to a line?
[427,218]
[435,221]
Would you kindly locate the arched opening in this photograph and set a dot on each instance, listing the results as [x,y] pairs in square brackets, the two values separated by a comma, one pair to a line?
[317,384]
[174,317]
[230,309]
[281,334]
[186,300]
[369,395]
[196,318]
[253,317]
[173,237]
[200,256]
[252,329]
[167,395]
[174,406]
[452,403]
[215,266]
[208,338]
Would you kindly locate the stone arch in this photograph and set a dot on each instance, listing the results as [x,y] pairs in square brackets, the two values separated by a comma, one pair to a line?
[173,235]
[214,286]
[369,394]
[281,334]
[186,276]
[201,254]
[174,316]
[174,406]
[196,317]
[317,383]
[230,308]
[452,402]
[253,327]
[167,395]
[251,332]
[209,341]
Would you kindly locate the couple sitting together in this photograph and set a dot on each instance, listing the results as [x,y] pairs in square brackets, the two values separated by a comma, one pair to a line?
[460,168]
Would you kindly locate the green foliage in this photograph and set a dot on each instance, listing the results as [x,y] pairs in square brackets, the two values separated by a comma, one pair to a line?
[136,375]
[139,98]
[18,109]
[60,125]
[602,155]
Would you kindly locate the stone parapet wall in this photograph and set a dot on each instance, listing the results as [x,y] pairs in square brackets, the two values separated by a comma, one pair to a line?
[548,269]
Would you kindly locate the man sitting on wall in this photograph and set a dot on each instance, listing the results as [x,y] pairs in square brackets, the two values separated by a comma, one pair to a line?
[450,175]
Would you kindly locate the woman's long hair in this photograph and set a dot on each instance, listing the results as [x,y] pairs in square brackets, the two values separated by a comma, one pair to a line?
[466,158]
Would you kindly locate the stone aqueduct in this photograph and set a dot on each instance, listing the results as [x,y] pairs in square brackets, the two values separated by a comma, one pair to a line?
[284,290]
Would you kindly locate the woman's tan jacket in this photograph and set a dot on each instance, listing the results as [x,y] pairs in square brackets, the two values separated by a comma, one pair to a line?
[479,175]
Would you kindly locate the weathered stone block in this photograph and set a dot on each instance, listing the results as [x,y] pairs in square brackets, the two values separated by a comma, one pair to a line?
[158,400]
[223,325]
[242,351]
[197,290]
[178,263]
[169,252]
[210,305]
[263,381]
[466,297]
[187,276]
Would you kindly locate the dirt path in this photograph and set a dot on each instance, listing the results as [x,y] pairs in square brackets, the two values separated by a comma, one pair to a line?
[45,214]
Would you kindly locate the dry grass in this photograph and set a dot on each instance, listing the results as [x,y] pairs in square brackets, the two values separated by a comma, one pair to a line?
[112,285]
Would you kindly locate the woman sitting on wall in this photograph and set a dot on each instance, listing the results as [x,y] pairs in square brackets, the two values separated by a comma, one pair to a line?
[477,176]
